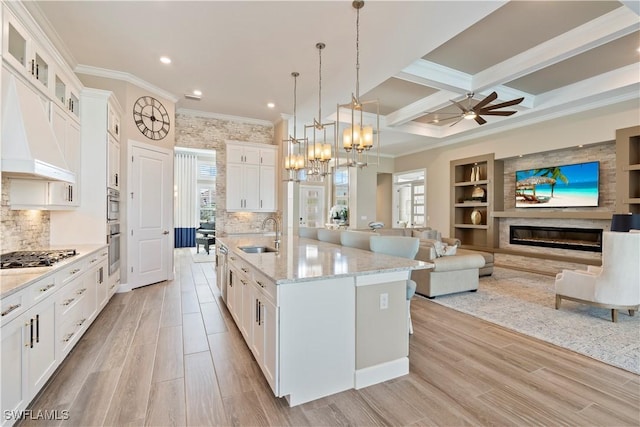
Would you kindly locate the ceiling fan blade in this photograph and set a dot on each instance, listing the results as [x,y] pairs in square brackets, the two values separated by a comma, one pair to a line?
[464,110]
[504,104]
[490,98]
[456,116]
[480,120]
[456,122]
[496,113]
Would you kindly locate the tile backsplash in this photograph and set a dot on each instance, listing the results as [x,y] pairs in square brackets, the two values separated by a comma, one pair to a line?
[23,229]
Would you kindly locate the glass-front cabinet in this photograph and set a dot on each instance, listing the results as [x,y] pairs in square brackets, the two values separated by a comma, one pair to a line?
[22,52]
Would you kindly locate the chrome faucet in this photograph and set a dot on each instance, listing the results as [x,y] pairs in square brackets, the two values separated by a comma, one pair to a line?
[276,226]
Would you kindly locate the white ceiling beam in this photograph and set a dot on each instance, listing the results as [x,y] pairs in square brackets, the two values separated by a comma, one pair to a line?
[613,25]
[452,84]
[437,76]
[421,107]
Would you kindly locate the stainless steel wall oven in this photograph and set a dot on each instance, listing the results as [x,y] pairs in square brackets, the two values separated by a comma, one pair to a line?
[113,244]
[113,205]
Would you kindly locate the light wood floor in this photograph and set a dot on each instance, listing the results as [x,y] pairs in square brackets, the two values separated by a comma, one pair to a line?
[170,354]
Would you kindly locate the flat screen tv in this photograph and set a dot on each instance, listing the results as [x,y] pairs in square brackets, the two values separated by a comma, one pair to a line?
[558,186]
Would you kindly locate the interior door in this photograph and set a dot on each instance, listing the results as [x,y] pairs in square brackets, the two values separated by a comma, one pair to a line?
[312,206]
[150,215]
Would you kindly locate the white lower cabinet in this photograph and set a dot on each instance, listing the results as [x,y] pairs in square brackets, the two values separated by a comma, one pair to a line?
[28,355]
[14,388]
[41,348]
[265,335]
[42,323]
[251,299]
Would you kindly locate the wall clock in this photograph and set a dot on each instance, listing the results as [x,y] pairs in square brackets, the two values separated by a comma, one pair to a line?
[151,118]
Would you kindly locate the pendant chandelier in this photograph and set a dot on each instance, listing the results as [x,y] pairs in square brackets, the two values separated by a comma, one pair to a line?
[318,150]
[362,118]
[294,160]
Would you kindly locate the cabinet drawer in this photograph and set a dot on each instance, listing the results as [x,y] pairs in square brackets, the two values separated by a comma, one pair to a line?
[69,331]
[43,288]
[12,306]
[70,297]
[267,286]
[72,271]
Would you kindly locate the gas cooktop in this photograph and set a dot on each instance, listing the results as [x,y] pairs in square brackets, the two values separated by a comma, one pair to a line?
[24,259]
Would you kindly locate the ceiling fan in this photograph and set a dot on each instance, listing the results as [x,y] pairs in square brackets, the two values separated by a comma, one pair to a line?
[482,108]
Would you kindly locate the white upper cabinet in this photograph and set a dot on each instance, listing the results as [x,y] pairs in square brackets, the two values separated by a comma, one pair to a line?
[24,54]
[67,95]
[31,57]
[251,177]
[67,132]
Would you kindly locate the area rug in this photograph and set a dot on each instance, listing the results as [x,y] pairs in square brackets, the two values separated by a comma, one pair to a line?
[202,256]
[524,302]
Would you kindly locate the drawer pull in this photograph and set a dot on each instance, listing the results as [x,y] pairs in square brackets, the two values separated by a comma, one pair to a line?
[232,258]
[260,283]
[81,291]
[67,337]
[46,288]
[94,260]
[112,286]
[244,269]
[69,301]
[243,282]
[104,253]
[81,322]
[11,308]
[74,271]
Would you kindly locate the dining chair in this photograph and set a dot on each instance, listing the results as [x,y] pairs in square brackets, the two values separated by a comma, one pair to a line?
[356,239]
[329,236]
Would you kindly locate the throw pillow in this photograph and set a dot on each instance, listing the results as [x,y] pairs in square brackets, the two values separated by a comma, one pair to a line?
[442,249]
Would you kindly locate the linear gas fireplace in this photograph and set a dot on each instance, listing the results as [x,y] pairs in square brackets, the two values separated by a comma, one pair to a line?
[581,239]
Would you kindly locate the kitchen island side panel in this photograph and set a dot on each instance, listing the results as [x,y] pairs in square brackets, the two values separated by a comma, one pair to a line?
[317,338]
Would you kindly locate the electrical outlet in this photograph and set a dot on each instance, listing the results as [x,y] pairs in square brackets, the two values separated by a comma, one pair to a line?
[384,301]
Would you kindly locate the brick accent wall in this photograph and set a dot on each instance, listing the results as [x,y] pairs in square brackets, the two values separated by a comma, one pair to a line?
[194,131]
[24,229]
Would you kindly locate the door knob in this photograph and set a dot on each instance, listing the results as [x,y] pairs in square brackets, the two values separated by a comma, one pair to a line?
[165,232]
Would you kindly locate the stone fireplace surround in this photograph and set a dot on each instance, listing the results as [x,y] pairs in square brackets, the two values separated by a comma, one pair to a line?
[552,260]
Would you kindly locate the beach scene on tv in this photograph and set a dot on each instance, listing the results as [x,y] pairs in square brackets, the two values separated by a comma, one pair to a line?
[558,186]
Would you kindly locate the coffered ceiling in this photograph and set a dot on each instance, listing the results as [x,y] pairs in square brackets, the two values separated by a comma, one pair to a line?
[563,57]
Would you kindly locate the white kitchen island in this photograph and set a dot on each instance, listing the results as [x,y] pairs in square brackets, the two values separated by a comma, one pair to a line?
[320,318]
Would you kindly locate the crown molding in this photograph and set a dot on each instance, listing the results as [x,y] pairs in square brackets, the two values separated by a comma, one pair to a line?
[209,115]
[126,77]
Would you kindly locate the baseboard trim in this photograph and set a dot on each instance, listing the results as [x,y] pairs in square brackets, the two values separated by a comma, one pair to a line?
[382,372]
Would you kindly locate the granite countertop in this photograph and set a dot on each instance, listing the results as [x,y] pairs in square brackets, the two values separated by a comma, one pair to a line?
[301,259]
[13,280]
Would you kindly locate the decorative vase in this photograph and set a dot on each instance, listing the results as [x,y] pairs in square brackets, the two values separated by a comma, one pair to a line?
[476,217]
[478,193]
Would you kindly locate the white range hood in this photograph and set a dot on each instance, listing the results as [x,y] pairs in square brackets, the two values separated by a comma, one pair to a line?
[29,146]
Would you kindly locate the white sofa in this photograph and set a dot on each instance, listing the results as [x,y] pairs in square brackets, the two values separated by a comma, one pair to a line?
[451,274]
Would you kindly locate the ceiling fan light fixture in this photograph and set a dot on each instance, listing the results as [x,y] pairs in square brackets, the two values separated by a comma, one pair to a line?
[470,115]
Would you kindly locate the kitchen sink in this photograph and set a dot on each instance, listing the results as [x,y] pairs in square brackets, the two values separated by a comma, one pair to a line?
[256,249]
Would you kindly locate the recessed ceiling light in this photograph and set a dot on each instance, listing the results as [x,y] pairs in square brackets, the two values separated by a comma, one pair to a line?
[197,92]
[580,146]
[271,105]
[165,60]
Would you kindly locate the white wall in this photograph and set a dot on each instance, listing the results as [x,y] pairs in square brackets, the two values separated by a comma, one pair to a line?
[585,128]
